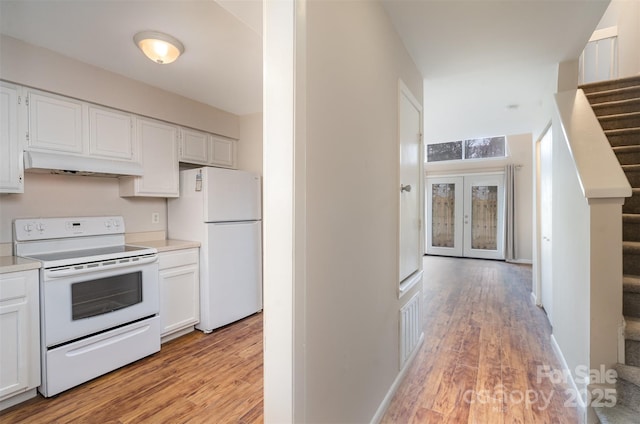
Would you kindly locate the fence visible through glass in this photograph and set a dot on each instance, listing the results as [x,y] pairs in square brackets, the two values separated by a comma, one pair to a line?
[484,217]
[443,215]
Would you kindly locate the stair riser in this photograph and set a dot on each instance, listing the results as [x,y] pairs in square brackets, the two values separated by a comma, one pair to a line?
[628,158]
[631,231]
[631,264]
[633,177]
[632,93]
[625,121]
[624,139]
[631,301]
[615,109]
[628,394]
[632,205]
[632,353]
[610,85]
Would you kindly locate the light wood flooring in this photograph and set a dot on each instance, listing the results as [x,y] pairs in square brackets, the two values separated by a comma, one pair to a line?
[483,343]
[197,378]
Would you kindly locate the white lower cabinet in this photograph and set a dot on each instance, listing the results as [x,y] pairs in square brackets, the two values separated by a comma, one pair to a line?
[19,337]
[179,292]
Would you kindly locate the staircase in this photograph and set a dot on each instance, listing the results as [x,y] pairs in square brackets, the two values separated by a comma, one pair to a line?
[617,106]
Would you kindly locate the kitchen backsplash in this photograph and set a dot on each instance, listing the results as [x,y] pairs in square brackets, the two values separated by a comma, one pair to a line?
[47,195]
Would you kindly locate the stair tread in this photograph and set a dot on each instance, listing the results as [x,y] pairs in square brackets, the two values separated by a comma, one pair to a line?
[634,167]
[632,328]
[615,116]
[629,373]
[622,131]
[610,91]
[596,84]
[631,283]
[631,217]
[611,103]
[627,148]
[619,414]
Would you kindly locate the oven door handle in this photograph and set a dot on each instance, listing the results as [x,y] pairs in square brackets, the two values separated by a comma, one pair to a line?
[101,266]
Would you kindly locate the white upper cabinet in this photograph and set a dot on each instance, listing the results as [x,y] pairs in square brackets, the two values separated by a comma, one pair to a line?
[63,125]
[222,152]
[201,148]
[194,146]
[111,133]
[55,123]
[157,151]
[11,166]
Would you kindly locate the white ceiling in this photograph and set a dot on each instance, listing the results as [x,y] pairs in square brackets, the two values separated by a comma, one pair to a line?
[221,65]
[477,56]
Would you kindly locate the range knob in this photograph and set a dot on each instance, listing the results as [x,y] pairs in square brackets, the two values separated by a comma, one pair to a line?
[107,224]
[28,228]
[40,227]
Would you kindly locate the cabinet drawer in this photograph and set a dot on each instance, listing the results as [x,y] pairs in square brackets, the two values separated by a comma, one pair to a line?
[13,286]
[178,258]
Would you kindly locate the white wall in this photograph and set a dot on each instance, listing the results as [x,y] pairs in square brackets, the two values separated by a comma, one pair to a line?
[249,146]
[520,153]
[625,14]
[48,195]
[36,67]
[570,271]
[346,190]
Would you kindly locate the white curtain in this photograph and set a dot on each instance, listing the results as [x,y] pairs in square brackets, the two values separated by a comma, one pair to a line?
[510,212]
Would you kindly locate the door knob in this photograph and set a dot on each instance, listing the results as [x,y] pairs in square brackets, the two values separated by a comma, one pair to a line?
[405,187]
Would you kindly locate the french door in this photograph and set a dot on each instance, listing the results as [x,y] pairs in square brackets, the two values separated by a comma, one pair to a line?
[465,216]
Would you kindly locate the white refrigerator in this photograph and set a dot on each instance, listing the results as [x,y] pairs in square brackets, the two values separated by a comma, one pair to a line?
[221,208]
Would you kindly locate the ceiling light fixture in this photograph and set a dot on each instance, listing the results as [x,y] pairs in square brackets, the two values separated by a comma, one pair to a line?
[160,48]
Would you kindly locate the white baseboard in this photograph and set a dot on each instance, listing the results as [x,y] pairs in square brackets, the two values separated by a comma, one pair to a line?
[520,261]
[396,384]
[565,367]
[534,299]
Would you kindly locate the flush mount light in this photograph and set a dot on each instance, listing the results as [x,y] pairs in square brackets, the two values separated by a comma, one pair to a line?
[160,48]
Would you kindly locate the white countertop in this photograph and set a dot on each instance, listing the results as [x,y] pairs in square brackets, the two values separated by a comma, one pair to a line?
[17,264]
[167,245]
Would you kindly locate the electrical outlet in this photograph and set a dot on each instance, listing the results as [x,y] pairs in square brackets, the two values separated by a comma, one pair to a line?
[155,218]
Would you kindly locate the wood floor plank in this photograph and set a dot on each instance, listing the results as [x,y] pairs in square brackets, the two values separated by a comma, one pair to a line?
[481,311]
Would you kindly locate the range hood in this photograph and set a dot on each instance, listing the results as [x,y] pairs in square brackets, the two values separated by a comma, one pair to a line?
[61,163]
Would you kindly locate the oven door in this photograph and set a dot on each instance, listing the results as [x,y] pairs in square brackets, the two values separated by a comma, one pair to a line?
[80,301]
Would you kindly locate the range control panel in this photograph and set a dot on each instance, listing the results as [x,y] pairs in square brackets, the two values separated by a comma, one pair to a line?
[53,228]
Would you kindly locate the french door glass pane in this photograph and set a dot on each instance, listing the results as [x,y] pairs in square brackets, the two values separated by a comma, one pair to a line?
[484,217]
[443,215]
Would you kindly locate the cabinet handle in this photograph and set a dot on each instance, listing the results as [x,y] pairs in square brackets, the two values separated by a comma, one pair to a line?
[406,188]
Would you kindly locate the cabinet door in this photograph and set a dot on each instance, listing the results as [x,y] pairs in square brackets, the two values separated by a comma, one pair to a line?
[19,350]
[55,123]
[223,152]
[157,145]
[179,290]
[110,133]
[194,146]
[11,166]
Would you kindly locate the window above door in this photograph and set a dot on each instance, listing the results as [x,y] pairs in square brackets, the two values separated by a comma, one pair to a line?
[477,148]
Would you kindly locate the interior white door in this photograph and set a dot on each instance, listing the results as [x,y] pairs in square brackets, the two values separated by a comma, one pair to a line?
[444,212]
[410,251]
[484,217]
[546,286]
